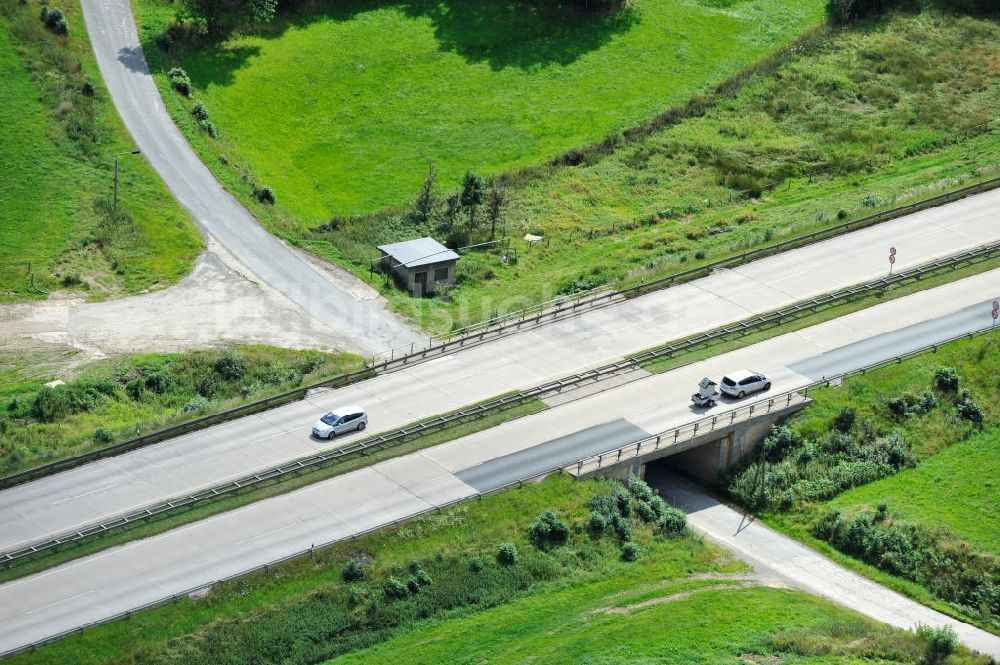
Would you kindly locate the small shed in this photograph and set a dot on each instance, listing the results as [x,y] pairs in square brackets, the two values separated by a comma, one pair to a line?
[421,265]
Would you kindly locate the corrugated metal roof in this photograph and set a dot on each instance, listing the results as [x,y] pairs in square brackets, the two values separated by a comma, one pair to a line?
[419,252]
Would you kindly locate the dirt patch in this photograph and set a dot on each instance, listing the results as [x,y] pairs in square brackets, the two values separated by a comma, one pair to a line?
[681,595]
[215,305]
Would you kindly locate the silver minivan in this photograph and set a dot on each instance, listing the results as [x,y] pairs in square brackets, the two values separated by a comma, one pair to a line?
[743,382]
[340,420]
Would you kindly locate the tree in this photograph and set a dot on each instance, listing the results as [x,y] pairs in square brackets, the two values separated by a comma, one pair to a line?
[222,14]
[471,196]
[496,198]
[423,206]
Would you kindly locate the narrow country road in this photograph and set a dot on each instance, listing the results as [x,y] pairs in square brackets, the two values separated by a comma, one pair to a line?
[364,325]
[802,567]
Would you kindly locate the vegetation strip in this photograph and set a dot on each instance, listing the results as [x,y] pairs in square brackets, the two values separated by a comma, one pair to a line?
[477,334]
[320,460]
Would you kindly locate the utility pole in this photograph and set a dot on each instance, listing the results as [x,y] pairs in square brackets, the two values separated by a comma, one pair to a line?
[131,152]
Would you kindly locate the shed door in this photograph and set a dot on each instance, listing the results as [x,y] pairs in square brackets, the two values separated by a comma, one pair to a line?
[420,279]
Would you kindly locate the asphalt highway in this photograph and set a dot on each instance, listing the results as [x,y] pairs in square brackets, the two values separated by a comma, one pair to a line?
[363,326]
[112,581]
[101,490]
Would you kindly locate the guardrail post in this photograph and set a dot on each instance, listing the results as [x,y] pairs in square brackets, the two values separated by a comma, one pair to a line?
[600,459]
[657,447]
[677,434]
[714,418]
[789,400]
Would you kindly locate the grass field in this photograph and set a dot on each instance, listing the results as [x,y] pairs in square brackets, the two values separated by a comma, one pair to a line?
[487,86]
[542,606]
[58,149]
[956,488]
[855,108]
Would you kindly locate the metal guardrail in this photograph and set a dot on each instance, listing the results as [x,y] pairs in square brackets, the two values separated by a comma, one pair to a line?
[690,431]
[618,453]
[394,437]
[477,333]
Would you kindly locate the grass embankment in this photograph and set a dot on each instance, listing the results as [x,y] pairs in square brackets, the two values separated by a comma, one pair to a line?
[117,399]
[894,474]
[855,107]
[460,603]
[61,132]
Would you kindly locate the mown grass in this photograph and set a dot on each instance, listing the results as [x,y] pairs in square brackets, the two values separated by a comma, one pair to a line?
[117,399]
[542,605]
[719,626]
[956,488]
[58,147]
[488,86]
[857,106]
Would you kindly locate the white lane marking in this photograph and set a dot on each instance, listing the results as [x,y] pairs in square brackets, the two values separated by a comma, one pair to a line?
[59,602]
[79,496]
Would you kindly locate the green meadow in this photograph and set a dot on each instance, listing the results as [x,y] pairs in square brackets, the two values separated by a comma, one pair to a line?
[61,132]
[341,108]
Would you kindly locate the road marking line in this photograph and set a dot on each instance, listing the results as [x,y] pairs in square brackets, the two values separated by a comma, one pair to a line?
[79,496]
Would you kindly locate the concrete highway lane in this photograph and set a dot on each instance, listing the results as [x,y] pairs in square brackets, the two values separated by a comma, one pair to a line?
[363,326]
[117,579]
[82,496]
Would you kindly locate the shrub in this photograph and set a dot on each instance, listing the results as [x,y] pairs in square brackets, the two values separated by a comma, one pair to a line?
[164,41]
[51,404]
[507,554]
[547,530]
[630,552]
[210,129]
[199,111]
[700,254]
[844,421]
[54,20]
[638,488]
[135,390]
[352,571]
[102,436]
[778,443]
[673,523]
[180,81]
[71,279]
[196,403]
[597,523]
[265,195]
[475,564]
[881,510]
[644,512]
[846,11]
[946,379]
[941,642]
[394,589]
[967,409]
[158,380]
[229,366]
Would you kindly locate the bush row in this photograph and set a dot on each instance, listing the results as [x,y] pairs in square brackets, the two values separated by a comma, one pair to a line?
[932,558]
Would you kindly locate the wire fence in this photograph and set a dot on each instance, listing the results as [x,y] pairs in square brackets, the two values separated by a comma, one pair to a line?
[324,459]
[499,326]
[586,465]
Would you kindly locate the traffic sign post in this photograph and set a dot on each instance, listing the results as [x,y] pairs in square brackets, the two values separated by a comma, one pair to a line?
[996,312]
[892,258]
